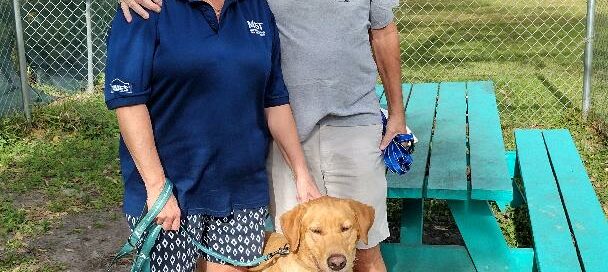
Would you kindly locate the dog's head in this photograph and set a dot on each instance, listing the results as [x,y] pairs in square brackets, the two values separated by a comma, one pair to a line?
[328,229]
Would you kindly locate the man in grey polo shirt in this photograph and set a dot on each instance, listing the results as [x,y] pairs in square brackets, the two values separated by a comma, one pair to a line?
[332,51]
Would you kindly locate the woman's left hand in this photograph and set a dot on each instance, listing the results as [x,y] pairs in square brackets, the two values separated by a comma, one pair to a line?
[306,188]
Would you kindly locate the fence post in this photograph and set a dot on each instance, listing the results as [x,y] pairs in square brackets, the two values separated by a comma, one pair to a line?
[90,79]
[588,58]
[25,88]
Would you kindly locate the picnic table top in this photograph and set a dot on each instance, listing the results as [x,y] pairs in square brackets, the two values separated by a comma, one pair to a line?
[460,153]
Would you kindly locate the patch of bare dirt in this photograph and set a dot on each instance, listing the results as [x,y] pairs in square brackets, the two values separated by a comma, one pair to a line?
[85,242]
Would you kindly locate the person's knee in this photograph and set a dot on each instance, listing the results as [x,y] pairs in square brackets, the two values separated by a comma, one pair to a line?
[369,255]
[369,260]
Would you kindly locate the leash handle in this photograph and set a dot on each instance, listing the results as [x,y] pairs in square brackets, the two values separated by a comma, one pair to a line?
[145,224]
[153,211]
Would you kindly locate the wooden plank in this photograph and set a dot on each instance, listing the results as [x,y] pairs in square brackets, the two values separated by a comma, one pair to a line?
[484,239]
[407,90]
[407,87]
[448,169]
[412,215]
[489,175]
[381,96]
[511,157]
[518,198]
[420,112]
[424,258]
[587,220]
[553,243]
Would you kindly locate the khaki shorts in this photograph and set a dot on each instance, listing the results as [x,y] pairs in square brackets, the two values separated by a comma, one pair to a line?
[346,162]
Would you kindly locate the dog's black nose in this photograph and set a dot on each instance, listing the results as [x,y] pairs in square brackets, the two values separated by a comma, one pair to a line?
[336,262]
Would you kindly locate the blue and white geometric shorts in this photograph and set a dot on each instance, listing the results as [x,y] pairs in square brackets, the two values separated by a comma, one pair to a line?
[239,236]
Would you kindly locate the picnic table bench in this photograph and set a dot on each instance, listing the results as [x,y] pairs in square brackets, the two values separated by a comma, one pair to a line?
[461,158]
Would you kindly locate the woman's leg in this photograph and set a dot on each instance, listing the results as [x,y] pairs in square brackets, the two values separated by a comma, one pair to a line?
[239,236]
[172,253]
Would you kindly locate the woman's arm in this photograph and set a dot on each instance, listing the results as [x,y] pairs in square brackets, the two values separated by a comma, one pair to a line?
[136,130]
[283,129]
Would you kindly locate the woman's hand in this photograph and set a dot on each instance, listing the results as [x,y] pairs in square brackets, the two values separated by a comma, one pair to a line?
[170,216]
[139,6]
[283,129]
[306,188]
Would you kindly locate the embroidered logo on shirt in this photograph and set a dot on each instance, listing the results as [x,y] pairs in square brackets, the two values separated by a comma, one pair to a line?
[256,28]
[119,86]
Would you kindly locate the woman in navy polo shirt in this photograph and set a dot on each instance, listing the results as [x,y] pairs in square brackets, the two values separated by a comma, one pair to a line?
[198,91]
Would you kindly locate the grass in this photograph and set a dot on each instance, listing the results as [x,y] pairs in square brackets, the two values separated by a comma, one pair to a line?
[65,161]
[62,163]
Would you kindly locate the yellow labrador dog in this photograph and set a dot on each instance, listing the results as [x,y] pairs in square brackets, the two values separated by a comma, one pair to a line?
[322,235]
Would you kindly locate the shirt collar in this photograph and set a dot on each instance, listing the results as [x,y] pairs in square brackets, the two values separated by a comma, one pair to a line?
[226,2]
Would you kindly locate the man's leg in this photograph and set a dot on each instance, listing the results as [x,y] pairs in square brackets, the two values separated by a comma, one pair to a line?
[352,168]
[282,183]
[369,260]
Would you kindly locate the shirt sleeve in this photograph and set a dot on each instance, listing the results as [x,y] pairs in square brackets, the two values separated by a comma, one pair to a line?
[130,53]
[381,13]
[276,92]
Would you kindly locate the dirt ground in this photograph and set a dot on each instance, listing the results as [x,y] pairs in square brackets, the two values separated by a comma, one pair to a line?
[87,243]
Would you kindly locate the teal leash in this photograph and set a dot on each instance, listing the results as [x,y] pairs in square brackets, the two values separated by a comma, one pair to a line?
[146,231]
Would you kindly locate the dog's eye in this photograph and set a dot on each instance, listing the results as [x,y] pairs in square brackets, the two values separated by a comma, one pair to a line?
[316,231]
[345,229]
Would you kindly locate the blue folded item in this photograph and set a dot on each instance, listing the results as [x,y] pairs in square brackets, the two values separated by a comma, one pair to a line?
[398,154]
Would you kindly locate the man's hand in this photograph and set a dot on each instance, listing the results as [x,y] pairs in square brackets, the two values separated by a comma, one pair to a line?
[169,217]
[139,6]
[306,188]
[394,126]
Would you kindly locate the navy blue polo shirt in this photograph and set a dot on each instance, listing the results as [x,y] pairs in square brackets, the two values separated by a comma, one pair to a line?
[206,84]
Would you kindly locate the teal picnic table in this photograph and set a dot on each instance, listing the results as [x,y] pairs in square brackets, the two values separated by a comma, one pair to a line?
[460,158]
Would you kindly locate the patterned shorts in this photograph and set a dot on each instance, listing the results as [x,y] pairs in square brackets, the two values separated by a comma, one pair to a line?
[239,236]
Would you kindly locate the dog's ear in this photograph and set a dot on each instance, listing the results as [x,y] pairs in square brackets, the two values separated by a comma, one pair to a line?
[291,224]
[365,218]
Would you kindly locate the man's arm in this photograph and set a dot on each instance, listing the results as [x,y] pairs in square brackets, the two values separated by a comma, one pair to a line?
[387,53]
[282,126]
[139,6]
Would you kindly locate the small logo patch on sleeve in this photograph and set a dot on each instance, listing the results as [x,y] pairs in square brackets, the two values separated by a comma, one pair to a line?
[119,86]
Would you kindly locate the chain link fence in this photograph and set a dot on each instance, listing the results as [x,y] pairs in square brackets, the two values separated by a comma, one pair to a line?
[56,40]
[600,66]
[531,49]
[10,90]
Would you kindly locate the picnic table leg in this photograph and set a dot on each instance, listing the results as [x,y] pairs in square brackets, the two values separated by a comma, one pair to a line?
[484,239]
[412,216]
[518,199]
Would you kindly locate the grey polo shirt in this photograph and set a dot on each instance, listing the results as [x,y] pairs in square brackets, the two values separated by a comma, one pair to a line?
[327,60]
